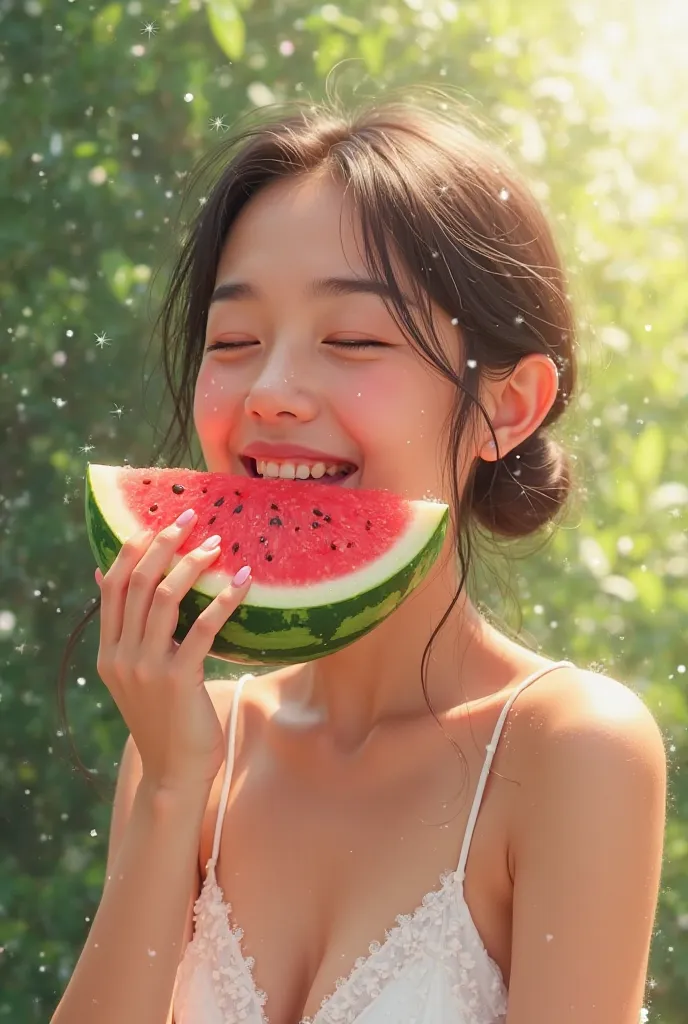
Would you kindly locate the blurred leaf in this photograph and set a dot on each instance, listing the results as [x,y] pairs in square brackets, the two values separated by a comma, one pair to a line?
[371,46]
[650,451]
[118,271]
[105,23]
[228,27]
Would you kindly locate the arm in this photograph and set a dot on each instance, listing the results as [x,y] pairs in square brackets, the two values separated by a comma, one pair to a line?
[152,880]
[588,855]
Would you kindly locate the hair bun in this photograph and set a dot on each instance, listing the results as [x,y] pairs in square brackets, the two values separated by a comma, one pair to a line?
[518,494]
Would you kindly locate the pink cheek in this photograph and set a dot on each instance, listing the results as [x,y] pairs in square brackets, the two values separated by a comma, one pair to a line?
[215,406]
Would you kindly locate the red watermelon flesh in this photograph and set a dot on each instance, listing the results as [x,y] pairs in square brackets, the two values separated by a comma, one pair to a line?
[289,531]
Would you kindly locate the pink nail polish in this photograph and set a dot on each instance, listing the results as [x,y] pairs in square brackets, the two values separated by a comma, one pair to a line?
[185,518]
[241,576]
[211,542]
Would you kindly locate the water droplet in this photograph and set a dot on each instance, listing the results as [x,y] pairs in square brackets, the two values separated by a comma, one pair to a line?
[8,621]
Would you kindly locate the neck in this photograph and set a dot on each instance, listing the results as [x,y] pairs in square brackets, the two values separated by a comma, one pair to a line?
[379,677]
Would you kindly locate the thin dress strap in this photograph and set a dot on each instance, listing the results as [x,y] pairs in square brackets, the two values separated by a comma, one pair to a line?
[229,766]
[491,748]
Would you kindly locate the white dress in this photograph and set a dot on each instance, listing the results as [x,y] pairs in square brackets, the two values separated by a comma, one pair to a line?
[432,967]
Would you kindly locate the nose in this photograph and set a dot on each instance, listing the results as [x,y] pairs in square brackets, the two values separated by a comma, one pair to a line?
[278,394]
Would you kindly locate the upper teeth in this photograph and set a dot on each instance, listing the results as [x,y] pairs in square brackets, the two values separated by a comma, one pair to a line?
[296,471]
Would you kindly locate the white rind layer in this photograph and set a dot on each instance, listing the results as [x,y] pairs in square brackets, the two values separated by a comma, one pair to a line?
[426,517]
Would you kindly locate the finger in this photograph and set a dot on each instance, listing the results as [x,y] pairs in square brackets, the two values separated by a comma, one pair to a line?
[164,610]
[148,573]
[200,638]
[113,586]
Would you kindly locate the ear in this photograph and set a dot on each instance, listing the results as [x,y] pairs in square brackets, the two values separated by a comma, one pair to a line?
[518,404]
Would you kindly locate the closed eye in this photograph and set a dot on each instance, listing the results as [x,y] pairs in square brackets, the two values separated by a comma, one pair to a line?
[350,343]
[358,343]
[219,345]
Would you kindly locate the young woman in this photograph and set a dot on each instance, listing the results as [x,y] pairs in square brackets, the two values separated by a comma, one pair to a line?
[436,824]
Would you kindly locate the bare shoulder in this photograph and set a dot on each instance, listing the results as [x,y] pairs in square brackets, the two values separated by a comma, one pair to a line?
[586,849]
[575,708]
[578,731]
[221,693]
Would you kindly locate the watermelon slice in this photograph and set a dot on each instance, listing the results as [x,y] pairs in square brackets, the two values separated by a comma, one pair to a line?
[328,563]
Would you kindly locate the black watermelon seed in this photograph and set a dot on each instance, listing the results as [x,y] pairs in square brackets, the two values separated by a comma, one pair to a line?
[235,547]
[178,488]
[328,519]
[153,508]
[212,520]
[333,546]
[238,494]
[349,544]
[317,512]
[237,510]
[146,481]
[275,507]
[220,501]
[297,528]
[367,524]
[315,525]
[261,540]
[275,521]
[268,557]
[204,490]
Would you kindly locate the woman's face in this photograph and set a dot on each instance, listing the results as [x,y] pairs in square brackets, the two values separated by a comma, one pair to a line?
[310,378]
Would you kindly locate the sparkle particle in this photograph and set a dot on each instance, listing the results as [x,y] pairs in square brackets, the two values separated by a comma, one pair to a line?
[102,340]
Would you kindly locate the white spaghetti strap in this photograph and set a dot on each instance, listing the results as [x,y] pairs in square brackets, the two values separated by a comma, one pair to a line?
[229,766]
[491,748]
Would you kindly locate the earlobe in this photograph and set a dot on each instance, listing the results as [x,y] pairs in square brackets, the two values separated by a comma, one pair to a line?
[489,452]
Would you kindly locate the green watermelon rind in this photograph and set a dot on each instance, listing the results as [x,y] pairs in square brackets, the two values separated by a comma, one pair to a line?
[259,635]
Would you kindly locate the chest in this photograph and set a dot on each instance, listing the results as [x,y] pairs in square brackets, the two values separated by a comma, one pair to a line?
[316,873]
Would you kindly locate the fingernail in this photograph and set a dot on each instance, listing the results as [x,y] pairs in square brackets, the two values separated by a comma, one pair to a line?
[241,576]
[185,517]
[99,576]
[211,542]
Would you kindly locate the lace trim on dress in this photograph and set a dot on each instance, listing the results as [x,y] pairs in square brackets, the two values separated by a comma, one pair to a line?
[432,930]
[214,939]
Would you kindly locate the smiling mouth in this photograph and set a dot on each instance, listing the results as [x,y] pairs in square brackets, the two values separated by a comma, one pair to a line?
[301,469]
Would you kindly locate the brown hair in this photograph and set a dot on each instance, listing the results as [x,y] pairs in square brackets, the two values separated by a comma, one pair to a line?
[431,188]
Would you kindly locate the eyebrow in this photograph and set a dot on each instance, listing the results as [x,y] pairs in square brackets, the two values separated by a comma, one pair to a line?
[322,287]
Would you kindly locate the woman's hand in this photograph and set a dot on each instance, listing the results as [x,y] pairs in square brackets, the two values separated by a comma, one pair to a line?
[156,683]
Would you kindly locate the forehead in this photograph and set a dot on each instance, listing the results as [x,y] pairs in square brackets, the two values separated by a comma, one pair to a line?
[299,226]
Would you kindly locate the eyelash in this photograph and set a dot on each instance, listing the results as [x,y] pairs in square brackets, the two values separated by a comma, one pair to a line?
[356,343]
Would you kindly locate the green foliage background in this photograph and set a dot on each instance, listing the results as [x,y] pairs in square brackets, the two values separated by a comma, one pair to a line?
[100,121]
